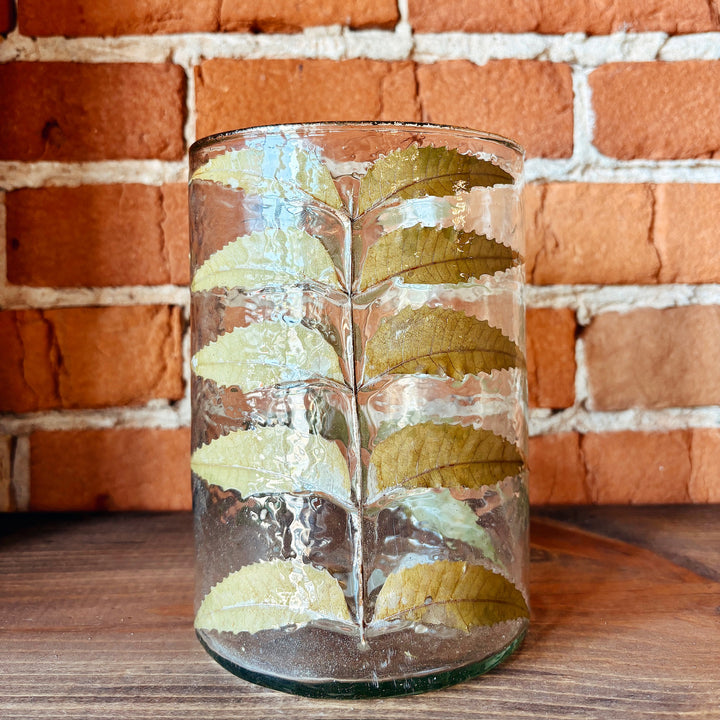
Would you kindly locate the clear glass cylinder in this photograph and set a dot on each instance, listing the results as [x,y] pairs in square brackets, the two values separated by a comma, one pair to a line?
[359,405]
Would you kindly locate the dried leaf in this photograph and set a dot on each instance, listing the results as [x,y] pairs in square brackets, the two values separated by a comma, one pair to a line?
[272,257]
[454,594]
[437,341]
[267,353]
[441,512]
[421,171]
[271,595]
[443,455]
[281,170]
[426,255]
[272,460]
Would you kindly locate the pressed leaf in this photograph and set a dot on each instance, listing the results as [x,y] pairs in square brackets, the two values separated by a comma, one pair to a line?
[273,170]
[267,353]
[426,255]
[416,172]
[271,595]
[440,512]
[443,455]
[437,341]
[271,460]
[455,594]
[272,257]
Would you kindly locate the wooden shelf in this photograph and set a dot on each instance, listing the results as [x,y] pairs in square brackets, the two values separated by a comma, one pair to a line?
[96,622]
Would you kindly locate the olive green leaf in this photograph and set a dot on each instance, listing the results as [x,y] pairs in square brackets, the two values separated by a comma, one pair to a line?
[271,460]
[443,455]
[441,512]
[272,257]
[416,172]
[271,595]
[455,594]
[426,255]
[437,341]
[267,353]
[280,171]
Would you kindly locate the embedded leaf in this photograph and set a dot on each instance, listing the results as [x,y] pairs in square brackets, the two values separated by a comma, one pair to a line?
[416,172]
[449,593]
[443,455]
[441,512]
[267,353]
[271,595]
[272,257]
[271,460]
[426,255]
[287,172]
[438,341]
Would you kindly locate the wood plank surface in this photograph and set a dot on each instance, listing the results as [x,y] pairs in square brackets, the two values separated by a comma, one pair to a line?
[96,622]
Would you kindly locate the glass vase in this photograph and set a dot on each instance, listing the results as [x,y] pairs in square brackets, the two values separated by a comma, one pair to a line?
[359,411]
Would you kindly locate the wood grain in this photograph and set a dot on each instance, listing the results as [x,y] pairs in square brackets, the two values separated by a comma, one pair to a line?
[96,622]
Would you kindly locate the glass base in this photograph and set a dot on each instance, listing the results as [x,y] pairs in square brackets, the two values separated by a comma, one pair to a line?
[352,689]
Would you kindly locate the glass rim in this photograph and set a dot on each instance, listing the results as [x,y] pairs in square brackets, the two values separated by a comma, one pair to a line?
[333,125]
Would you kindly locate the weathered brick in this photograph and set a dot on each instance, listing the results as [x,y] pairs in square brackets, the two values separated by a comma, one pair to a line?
[687,233]
[91,111]
[556,18]
[705,461]
[590,233]
[674,109]
[89,357]
[652,358]
[78,18]
[118,469]
[529,101]
[557,472]
[242,93]
[551,357]
[294,15]
[7,495]
[96,235]
[7,16]
[634,467]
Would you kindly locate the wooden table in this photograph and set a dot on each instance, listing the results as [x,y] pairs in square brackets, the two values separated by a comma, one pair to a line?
[96,622]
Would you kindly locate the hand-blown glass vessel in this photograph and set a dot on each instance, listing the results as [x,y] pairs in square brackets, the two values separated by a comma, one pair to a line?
[359,405]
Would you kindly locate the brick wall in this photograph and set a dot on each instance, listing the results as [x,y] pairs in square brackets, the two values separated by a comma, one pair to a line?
[617,105]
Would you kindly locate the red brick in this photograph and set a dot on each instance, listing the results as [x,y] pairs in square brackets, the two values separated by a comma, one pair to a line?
[233,94]
[651,358]
[294,15]
[96,235]
[7,16]
[634,468]
[97,111]
[551,357]
[89,357]
[78,18]
[590,233]
[705,461]
[118,469]
[7,494]
[557,472]
[687,233]
[674,109]
[557,18]
[527,100]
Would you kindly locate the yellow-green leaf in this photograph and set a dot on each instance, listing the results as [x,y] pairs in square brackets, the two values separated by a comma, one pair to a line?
[272,257]
[271,595]
[283,171]
[437,341]
[416,172]
[443,455]
[426,255]
[271,460]
[267,353]
[454,594]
